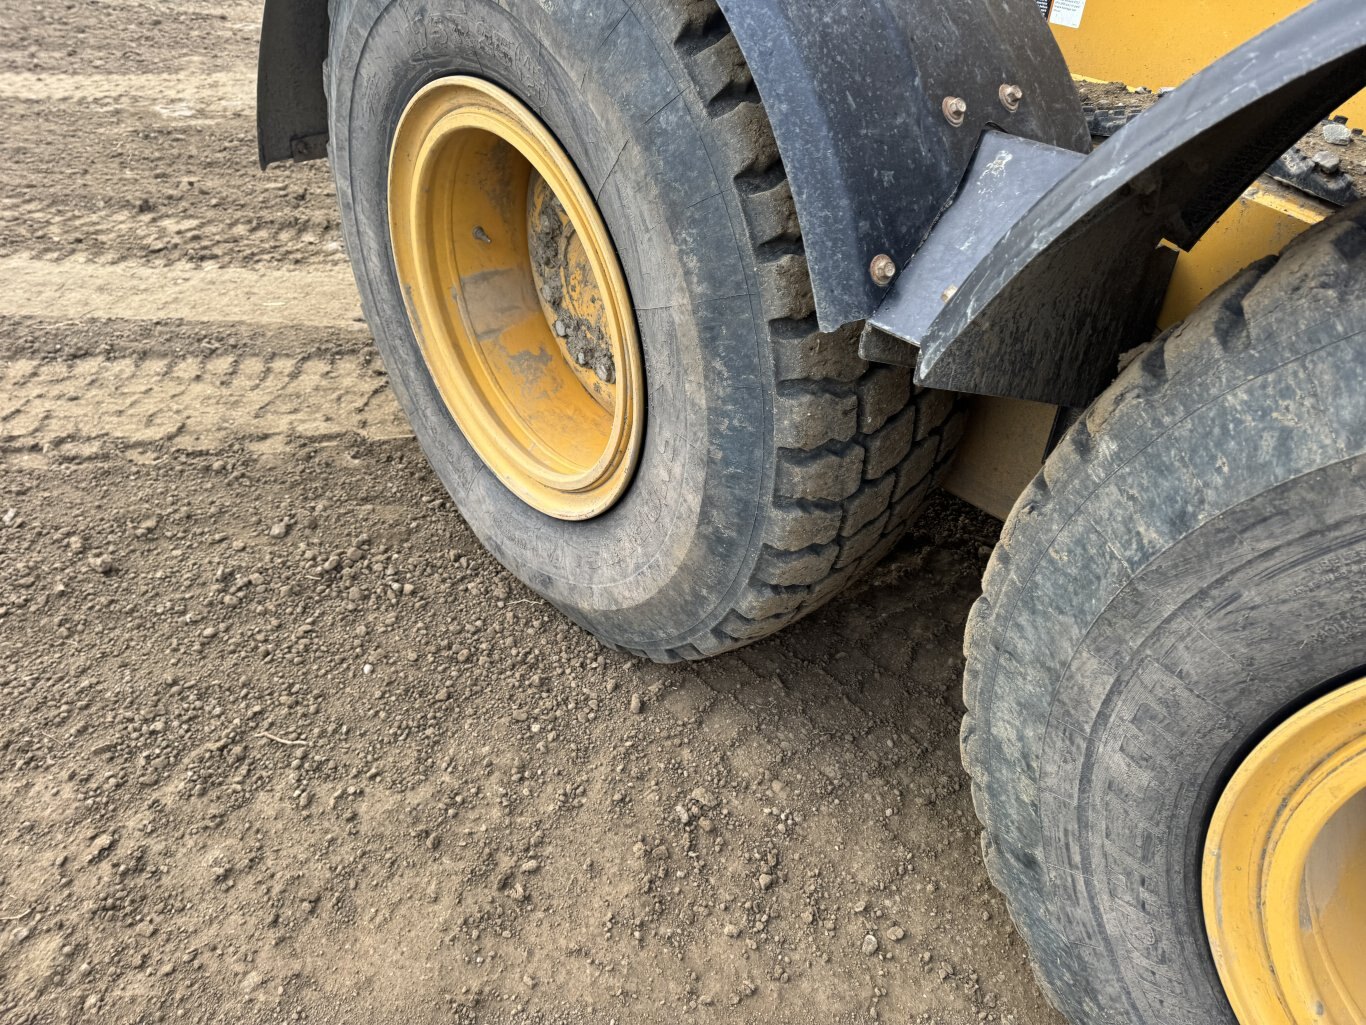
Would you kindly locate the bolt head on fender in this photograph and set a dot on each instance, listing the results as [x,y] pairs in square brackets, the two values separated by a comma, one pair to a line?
[882,270]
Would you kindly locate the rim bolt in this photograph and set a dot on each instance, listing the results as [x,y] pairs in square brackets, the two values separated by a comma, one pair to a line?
[955,110]
[1011,95]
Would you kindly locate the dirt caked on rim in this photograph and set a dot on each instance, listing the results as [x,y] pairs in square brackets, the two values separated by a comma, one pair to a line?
[516,297]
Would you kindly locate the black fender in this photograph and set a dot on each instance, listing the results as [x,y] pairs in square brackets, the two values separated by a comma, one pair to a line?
[291,103]
[1051,303]
[855,92]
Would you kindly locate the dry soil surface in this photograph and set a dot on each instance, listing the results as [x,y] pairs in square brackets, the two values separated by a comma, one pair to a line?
[281,743]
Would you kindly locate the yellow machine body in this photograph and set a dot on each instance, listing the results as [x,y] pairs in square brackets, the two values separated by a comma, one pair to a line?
[1160,43]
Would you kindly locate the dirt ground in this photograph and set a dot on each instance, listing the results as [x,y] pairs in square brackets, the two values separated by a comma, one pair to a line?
[281,743]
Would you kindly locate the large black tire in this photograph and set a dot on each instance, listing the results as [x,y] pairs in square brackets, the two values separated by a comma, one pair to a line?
[1188,569]
[777,464]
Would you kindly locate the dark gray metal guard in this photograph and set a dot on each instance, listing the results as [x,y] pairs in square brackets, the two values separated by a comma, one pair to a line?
[855,91]
[1047,311]
[1007,177]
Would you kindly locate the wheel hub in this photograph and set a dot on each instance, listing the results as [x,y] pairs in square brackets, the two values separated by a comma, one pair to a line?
[516,297]
[1285,871]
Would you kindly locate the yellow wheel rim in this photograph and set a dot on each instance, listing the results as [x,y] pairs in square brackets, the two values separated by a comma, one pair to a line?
[516,297]
[1285,871]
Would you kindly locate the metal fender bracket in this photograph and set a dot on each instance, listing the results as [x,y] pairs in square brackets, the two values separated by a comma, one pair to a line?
[1006,178]
[1033,291]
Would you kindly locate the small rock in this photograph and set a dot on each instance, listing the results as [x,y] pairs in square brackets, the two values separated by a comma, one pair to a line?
[101,564]
[531,865]
[731,930]
[8,518]
[703,796]
[1328,163]
[869,945]
[1336,134]
[635,704]
[279,529]
[765,881]
[100,844]
[896,934]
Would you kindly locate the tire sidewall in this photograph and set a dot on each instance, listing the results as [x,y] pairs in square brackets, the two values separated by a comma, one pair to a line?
[1185,574]
[1206,668]
[684,538]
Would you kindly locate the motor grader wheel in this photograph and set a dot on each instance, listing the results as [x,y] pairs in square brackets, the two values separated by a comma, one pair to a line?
[1167,724]
[580,256]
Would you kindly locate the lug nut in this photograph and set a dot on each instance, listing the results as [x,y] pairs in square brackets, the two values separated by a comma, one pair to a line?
[1011,95]
[955,110]
[882,269]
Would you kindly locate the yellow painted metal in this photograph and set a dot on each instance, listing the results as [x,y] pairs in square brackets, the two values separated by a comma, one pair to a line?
[516,297]
[1001,451]
[1158,43]
[1285,871]
[1261,223]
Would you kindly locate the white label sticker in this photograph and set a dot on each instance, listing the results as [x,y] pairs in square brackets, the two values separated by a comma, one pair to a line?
[1067,13]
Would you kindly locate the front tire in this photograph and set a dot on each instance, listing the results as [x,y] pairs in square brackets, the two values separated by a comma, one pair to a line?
[775,464]
[1185,574]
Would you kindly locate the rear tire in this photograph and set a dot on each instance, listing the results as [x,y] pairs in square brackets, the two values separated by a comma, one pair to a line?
[1185,573]
[776,464]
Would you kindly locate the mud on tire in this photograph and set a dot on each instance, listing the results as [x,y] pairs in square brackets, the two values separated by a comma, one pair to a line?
[777,464]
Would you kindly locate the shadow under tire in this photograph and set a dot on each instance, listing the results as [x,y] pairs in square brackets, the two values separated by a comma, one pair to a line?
[1183,575]
[776,464]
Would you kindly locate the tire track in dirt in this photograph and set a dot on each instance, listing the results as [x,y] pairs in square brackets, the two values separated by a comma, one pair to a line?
[191,403]
[227,370]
